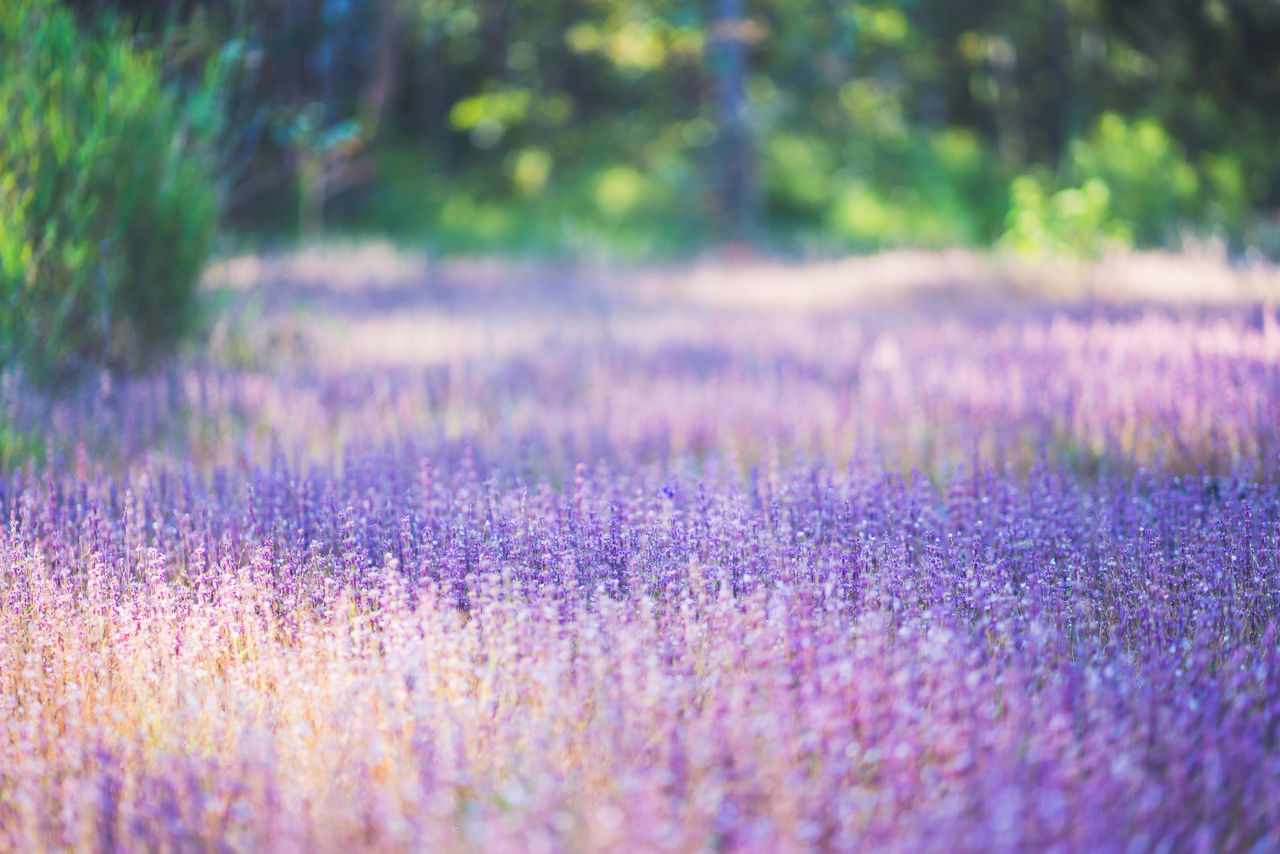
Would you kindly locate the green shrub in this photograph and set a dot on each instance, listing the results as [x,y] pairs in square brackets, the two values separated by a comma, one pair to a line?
[1075,221]
[931,189]
[107,197]
[1128,183]
[1153,188]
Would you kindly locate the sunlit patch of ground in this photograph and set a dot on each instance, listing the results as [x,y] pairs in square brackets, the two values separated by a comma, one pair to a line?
[371,303]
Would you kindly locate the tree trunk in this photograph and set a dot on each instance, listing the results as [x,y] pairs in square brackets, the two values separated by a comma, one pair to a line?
[381,87]
[736,191]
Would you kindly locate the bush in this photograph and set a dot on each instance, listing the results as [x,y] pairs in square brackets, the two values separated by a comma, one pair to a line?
[1075,221]
[107,197]
[1153,189]
[931,189]
[1133,184]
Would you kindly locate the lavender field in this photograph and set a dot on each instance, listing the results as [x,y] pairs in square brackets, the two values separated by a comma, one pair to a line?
[901,554]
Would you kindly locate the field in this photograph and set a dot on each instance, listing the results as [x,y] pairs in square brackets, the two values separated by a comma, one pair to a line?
[906,553]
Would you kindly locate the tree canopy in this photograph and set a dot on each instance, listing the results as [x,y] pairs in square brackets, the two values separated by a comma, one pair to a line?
[1049,124]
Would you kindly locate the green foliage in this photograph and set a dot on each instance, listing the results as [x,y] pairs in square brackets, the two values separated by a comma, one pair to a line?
[1131,183]
[1075,221]
[107,199]
[601,130]
[18,446]
[534,206]
[933,190]
[563,124]
[1151,184]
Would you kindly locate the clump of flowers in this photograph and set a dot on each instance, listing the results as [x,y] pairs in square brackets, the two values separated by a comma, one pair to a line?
[801,583]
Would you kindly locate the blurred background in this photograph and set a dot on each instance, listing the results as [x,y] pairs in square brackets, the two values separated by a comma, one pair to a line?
[140,136]
[656,128]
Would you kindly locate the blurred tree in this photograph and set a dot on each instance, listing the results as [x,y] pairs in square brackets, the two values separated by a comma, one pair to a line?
[868,122]
[730,33]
